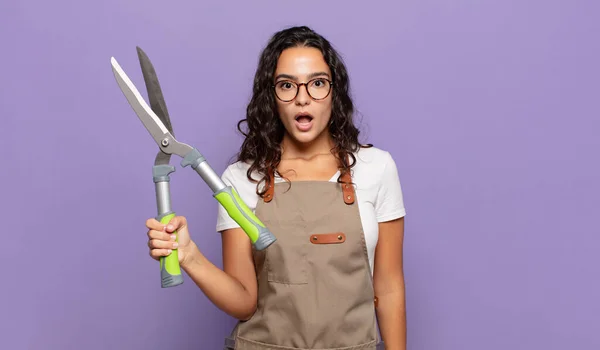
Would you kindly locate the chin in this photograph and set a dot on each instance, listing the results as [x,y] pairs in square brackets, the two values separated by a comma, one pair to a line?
[306,137]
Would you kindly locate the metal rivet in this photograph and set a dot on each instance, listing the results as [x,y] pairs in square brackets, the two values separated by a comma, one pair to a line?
[314,238]
[348,197]
[340,237]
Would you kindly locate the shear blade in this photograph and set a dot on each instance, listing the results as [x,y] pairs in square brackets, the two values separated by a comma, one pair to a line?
[147,116]
[155,95]
[150,120]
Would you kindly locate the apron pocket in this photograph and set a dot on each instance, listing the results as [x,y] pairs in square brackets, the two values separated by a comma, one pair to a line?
[288,266]
[286,259]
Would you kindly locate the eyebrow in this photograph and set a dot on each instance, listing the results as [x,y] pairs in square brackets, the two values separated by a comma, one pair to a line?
[292,77]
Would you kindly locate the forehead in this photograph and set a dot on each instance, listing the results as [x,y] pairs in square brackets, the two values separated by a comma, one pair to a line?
[301,62]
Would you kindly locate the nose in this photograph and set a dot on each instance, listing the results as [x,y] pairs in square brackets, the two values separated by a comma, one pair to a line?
[303,98]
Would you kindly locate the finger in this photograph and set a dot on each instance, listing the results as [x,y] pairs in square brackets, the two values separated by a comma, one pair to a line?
[176,223]
[160,235]
[158,253]
[153,224]
[159,244]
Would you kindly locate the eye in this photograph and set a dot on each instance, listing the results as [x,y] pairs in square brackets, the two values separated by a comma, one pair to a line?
[285,85]
[320,83]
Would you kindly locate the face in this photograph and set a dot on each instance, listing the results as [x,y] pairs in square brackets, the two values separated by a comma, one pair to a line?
[305,118]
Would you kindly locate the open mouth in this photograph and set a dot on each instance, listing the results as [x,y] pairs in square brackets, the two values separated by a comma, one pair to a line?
[303,121]
[303,118]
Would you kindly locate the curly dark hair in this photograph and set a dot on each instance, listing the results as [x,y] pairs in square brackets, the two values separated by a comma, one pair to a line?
[261,146]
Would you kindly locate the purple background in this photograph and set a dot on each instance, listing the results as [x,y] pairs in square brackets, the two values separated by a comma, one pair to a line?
[490,109]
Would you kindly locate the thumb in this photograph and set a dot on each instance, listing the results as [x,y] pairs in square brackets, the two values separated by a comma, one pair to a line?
[176,223]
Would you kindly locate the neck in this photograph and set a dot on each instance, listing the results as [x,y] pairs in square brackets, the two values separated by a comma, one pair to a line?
[291,148]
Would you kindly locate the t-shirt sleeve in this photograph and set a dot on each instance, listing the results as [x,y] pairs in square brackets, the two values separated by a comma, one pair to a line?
[235,176]
[390,200]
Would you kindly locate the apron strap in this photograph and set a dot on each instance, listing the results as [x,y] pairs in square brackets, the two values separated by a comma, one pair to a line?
[268,196]
[347,188]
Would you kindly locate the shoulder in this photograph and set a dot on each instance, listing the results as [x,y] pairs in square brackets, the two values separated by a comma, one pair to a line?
[237,170]
[236,175]
[372,164]
[376,175]
[373,156]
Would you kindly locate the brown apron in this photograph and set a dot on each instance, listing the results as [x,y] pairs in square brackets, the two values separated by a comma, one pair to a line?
[315,288]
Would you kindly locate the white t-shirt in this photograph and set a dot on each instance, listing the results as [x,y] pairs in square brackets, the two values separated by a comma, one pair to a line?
[377,185]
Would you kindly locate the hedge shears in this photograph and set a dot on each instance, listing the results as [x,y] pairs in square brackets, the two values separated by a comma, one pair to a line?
[157,121]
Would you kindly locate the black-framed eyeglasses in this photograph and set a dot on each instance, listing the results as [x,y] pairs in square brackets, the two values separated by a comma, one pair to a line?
[317,89]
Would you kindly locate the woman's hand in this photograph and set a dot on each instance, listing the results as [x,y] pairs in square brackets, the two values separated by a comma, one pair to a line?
[161,239]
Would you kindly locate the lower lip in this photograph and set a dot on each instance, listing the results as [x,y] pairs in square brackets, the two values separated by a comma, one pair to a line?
[304,126]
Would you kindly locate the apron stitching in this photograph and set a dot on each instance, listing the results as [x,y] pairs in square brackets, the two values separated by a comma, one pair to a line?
[366,255]
[359,346]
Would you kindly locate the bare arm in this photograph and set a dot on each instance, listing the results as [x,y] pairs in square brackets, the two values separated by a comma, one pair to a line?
[233,289]
[388,279]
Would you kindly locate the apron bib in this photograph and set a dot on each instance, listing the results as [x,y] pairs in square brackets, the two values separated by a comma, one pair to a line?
[315,288]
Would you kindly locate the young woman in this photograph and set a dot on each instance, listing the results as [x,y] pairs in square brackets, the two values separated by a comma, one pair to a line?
[334,277]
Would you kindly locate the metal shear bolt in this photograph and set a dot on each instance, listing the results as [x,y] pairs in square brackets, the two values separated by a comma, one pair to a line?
[165,142]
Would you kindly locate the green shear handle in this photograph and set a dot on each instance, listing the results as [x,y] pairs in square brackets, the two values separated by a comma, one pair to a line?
[258,233]
[170,271]
[238,211]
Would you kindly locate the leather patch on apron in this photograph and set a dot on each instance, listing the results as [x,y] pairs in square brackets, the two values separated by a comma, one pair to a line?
[328,238]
